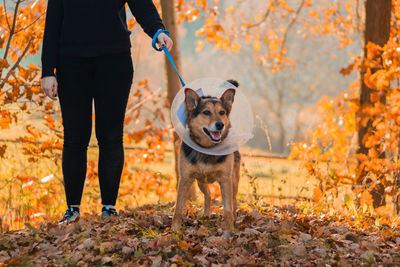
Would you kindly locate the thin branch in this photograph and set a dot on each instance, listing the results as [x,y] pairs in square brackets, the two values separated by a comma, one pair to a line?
[265,17]
[26,27]
[250,155]
[12,30]
[143,101]
[38,142]
[30,85]
[358,17]
[20,84]
[16,63]
[10,36]
[5,15]
[290,25]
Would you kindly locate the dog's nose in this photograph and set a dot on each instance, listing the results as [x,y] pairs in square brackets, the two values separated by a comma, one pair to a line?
[219,125]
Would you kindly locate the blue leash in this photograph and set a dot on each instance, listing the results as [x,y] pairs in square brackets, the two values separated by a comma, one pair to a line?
[154,42]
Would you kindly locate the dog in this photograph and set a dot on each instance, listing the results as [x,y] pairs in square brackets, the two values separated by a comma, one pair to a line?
[208,122]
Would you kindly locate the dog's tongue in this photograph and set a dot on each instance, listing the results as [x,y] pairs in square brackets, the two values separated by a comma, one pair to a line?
[215,135]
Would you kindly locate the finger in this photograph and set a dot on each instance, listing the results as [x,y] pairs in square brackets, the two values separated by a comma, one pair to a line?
[55,90]
[47,90]
[163,42]
[50,91]
[49,94]
[169,45]
[53,95]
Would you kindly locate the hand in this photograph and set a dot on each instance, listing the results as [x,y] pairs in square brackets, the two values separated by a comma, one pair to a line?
[49,86]
[164,40]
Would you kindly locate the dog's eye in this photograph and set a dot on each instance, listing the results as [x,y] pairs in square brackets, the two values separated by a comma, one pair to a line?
[207,113]
[222,113]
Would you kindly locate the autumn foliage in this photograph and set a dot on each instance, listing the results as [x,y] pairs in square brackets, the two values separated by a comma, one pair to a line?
[32,198]
[348,180]
[141,237]
[351,217]
[254,24]
[331,152]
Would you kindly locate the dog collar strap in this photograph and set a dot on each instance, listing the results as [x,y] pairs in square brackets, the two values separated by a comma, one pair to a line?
[163,48]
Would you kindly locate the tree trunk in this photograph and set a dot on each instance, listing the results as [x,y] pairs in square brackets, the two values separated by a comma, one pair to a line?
[282,130]
[173,83]
[377,30]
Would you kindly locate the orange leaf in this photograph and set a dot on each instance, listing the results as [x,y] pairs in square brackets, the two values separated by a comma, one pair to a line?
[317,194]
[366,198]
[256,45]
[3,150]
[383,211]
[200,45]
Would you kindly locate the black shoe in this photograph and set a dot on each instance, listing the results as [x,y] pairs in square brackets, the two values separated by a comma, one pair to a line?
[70,214]
[108,212]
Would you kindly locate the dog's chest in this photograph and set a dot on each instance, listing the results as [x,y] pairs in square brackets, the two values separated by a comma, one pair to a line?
[205,173]
[206,168]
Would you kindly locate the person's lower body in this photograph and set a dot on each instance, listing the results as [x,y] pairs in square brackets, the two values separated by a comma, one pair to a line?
[107,81]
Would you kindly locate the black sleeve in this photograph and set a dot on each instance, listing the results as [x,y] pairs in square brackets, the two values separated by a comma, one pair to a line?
[51,36]
[146,15]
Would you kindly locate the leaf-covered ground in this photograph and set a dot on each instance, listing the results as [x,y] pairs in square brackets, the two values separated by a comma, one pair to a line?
[141,237]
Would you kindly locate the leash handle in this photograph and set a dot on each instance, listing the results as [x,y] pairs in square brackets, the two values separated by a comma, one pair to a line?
[163,48]
[155,41]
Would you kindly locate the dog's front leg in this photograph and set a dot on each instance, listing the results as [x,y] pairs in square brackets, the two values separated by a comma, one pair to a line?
[235,182]
[183,194]
[227,198]
[207,197]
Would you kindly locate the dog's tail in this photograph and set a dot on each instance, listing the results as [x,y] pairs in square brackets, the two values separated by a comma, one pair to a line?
[234,82]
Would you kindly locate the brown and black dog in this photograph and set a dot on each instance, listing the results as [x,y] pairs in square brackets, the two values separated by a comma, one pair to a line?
[208,122]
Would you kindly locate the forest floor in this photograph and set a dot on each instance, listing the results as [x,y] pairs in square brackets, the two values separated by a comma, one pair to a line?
[264,236]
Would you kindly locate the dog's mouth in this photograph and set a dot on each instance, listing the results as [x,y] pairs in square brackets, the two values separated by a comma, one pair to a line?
[215,136]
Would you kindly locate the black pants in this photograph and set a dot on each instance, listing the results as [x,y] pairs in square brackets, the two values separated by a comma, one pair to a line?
[106,80]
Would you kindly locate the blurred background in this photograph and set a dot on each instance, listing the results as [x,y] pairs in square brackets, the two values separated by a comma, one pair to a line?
[306,66]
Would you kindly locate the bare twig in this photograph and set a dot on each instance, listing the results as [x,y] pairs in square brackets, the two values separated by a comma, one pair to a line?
[5,15]
[11,30]
[265,128]
[16,63]
[290,25]
[358,17]
[10,36]
[249,155]
[30,24]
[142,102]
[265,17]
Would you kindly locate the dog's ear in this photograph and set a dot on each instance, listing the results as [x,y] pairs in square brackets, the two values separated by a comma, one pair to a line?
[191,99]
[227,99]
